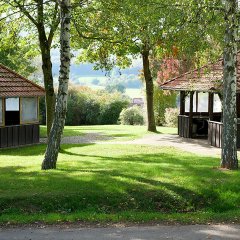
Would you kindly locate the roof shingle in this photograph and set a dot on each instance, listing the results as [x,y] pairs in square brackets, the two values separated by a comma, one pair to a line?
[14,85]
[205,79]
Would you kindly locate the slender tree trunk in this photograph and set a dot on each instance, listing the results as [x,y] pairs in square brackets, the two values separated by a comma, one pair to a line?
[53,146]
[229,136]
[149,90]
[48,81]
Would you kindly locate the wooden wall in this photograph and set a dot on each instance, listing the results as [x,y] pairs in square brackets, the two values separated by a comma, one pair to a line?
[19,135]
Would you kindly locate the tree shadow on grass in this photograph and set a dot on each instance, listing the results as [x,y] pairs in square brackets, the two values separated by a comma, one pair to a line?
[36,150]
[108,184]
[62,193]
[120,186]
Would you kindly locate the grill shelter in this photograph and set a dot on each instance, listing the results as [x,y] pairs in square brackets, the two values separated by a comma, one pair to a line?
[19,109]
[200,113]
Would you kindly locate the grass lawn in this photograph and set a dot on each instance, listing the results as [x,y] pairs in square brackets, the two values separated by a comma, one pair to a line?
[112,183]
[118,132]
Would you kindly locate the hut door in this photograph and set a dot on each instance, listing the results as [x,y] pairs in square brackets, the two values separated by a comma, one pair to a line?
[12,113]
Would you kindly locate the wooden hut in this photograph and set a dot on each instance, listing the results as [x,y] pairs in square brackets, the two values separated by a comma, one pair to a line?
[200,102]
[19,109]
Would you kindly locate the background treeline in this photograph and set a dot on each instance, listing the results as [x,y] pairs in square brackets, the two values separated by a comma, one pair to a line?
[90,107]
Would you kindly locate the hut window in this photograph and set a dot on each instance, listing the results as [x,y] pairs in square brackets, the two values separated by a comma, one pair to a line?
[12,116]
[1,111]
[12,104]
[187,102]
[217,105]
[202,102]
[29,110]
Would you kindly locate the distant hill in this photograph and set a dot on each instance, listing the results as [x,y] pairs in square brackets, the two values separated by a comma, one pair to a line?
[83,74]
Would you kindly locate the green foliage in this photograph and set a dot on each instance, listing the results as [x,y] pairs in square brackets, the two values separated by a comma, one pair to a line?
[116,183]
[171,117]
[89,107]
[16,51]
[161,101]
[109,31]
[110,112]
[132,116]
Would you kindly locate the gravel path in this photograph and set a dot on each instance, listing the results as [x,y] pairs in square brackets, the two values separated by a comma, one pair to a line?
[86,138]
[187,232]
[197,146]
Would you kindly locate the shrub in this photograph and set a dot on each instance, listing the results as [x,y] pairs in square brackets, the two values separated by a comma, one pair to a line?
[111,111]
[89,107]
[171,117]
[131,116]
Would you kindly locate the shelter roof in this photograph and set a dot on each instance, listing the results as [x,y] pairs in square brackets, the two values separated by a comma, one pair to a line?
[14,85]
[205,79]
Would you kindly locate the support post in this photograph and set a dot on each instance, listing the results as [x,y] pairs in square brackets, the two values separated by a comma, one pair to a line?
[182,103]
[191,115]
[196,102]
[238,105]
[210,105]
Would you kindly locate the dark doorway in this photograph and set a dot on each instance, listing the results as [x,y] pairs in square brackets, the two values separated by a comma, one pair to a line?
[12,111]
[12,118]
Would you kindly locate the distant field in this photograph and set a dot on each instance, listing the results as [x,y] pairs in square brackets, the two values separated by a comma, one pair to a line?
[135,93]
[131,92]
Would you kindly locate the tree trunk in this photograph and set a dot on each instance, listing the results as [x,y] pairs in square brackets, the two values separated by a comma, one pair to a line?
[229,135]
[53,146]
[149,90]
[48,77]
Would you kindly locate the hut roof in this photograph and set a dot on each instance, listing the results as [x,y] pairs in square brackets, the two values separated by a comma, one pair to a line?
[205,79]
[14,85]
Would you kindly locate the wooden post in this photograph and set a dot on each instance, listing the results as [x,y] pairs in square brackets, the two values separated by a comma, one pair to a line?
[196,102]
[238,105]
[191,115]
[210,105]
[182,103]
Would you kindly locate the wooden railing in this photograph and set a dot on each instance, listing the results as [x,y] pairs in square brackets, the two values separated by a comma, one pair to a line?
[18,135]
[215,134]
[183,126]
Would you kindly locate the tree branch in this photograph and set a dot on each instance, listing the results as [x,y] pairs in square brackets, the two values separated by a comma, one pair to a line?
[55,23]
[24,11]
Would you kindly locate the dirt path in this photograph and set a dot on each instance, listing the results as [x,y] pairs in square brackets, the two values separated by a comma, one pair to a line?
[197,146]
[186,232]
[86,138]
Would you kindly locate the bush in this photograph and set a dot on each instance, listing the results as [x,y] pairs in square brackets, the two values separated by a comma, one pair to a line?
[171,117]
[89,107]
[111,111]
[131,116]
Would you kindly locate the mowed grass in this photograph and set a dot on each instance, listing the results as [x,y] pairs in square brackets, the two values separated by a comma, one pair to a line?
[116,132]
[116,183]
